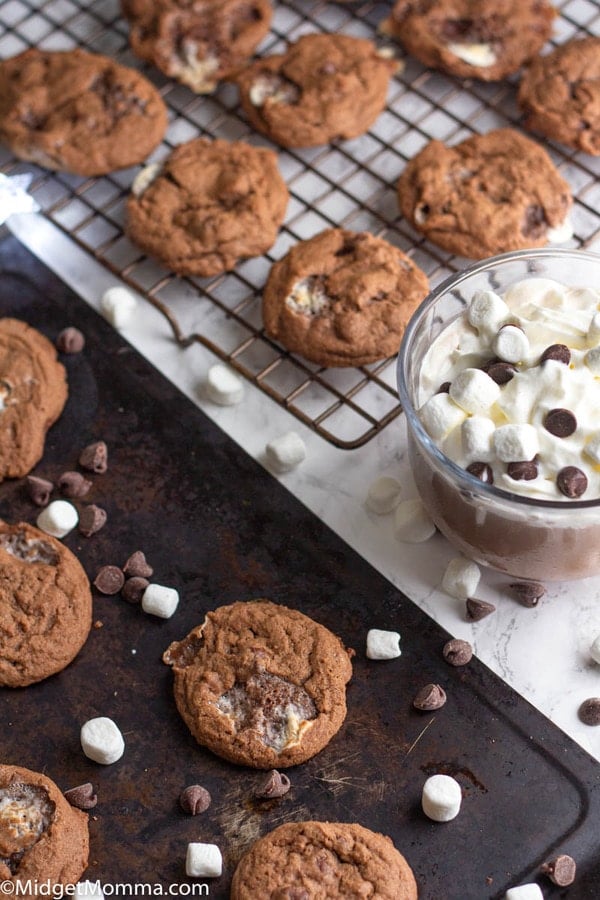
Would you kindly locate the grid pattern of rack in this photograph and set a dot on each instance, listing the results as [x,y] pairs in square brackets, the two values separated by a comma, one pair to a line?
[348,183]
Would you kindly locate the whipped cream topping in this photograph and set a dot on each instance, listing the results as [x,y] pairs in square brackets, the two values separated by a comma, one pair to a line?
[510,390]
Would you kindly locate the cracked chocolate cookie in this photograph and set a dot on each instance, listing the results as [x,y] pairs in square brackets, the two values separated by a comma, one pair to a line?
[472,38]
[78,112]
[489,194]
[33,392]
[260,684]
[560,95]
[41,835]
[323,860]
[325,86]
[197,43]
[45,605]
[342,298]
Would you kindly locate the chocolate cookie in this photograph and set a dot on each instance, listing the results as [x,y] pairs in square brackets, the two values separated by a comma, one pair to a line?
[489,194]
[41,835]
[33,392]
[210,204]
[197,43]
[325,86]
[45,605]
[321,860]
[342,298]
[78,112]
[560,94]
[472,38]
[261,685]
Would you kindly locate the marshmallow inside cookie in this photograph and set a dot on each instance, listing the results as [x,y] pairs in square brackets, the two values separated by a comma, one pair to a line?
[274,88]
[30,551]
[26,812]
[308,296]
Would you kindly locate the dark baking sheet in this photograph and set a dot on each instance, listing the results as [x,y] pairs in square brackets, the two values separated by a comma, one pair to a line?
[219,528]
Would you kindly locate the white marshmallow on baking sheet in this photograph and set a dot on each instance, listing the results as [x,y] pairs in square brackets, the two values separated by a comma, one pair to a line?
[511,344]
[84,889]
[477,433]
[383,644]
[160,601]
[440,415]
[441,798]
[487,312]
[412,522]
[474,391]
[525,892]
[384,495]
[592,360]
[516,442]
[118,306]
[223,386]
[58,518]
[461,577]
[285,452]
[595,650]
[592,448]
[593,332]
[203,861]
[102,741]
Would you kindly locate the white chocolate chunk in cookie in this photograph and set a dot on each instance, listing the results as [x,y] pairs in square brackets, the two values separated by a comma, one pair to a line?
[481,55]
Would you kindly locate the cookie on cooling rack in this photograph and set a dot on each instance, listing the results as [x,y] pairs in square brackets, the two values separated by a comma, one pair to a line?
[490,194]
[342,298]
[78,112]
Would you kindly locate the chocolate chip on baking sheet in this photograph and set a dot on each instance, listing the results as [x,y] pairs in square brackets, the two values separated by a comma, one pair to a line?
[478,609]
[524,470]
[482,471]
[136,565]
[457,652]
[91,519]
[94,457]
[133,589]
[39,490]
[109,580]
[561,871]
[70,340]
[589,711]
[194,799]
[571,482]
[73,484]
[557,352]
[560,422]
[276,784]
[82,797]
[528,593]
[430,697]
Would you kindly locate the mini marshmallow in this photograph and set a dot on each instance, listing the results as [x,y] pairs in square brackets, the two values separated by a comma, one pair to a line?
[160,601]
[223,386]
[477,433]
[440,415]
[384,495]
[286,452]
[481,55]
[560,233]
[203,861]
[592,360]
[412,523]
[474,391]
[592,448]
[118,306]
[593,332]
[383,644]
[595,650]
[525,892]
[441,798]
[511,344]
[516,443]
[487,312]
[92,889]
[102,741]
[58,518]
[461,577]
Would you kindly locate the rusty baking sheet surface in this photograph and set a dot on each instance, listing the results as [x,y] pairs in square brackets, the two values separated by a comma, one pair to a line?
[219,528]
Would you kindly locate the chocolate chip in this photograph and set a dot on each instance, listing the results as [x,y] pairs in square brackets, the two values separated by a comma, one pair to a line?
[70,340]
[109,580]
[534,223]
[561,870]
[73,484]
[478,609]
[432,696]
[39,490]
[560,422]
[589,711]
[501,372]
[194,800]
[524,470]
[82,796]
[91,519]
[274,785]
[94,457]
[558,352]
[457,652]
[482,471]
[444,388]
[528,593]
[134,588]
[137,565]
[571,482]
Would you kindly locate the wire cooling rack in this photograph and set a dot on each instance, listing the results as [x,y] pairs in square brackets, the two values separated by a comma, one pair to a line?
[349,183]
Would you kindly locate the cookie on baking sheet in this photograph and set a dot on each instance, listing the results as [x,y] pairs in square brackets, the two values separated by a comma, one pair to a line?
[560,94]
[41,835]
[197,43]
[472,38]
[342,298]
[260,684]
[320,860]
[45,605]
[33,392]
[210,204]
[78,112]
[325,86]
[490,194]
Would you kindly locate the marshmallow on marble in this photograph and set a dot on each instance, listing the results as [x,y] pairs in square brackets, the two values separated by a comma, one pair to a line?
[286,452]
[102,741]
[412,523]
[383,644]
[474,391]
[525,892]
[441,798]
[516,443]
[223,386]
[58,518]
[592,448]
[595,650]
[203,861]
[118,306]
[487,312]
[592,360]
[160,601]
[477,433]
[511,344]
[461,577]
[384,495]
[84,889]
[440,415]
[593,332]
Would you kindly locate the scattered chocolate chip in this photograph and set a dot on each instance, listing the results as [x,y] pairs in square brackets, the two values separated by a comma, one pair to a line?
[589,711]
[94,457]
[432,696]
[39,490]
[560,422]
[194,800]
[70,340]
[73,484]
[134,588]
[571,482]
[109,580]
[528,593]
[558,352]
[524,470]
[91,519]
[274,785]
[82,796]
[478,609]
[482,471]
[444,388]
[137,565]
[501,372]
[561,871]
[457,652]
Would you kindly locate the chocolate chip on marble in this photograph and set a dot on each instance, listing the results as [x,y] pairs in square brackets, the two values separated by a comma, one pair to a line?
[482,471]
[558,352]
[94,457]
[194,800]
[73,484]
[560,422]
[528,593]
[457,652]
[430,697]
[82,797]
[501,372]
[444,387]
[589,711]
[137,565]
[478,609]
[571,482]
[524,470]
[70,340]
[39,490]
[109,580]
[276,784]
[561,871]
[134,588]
[91,519]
